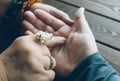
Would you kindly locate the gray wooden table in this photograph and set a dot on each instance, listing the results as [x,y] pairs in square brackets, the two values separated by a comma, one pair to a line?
[103,17]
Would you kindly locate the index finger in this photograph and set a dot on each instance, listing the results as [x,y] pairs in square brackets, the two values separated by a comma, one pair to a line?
[61,15]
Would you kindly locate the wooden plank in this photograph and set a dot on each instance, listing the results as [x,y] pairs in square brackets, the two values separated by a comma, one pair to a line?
[105,30]
[111,55]
[109,8]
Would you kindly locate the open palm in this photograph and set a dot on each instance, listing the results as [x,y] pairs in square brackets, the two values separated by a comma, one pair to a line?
[79,44]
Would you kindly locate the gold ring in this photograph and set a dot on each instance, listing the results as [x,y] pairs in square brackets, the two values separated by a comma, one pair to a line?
[43,36]
[52,62]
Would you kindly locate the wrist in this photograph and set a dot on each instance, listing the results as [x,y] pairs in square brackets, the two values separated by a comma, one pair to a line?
[65,70]
[3,76]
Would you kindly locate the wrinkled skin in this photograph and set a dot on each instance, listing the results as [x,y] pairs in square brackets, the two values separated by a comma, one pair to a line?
[26,60]
[79,44]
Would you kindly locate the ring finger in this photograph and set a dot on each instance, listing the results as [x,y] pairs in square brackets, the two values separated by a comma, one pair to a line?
[36,23]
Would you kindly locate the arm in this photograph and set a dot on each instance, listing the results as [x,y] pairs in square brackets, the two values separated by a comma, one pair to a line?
[94,68]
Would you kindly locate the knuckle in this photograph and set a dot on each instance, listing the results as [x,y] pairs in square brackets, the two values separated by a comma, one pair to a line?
[19,40]
[28,49]
[51,75]
[34,6]
[23,39]
[51,22]
[23,43]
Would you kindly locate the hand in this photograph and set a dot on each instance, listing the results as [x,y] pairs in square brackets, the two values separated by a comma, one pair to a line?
[57,15]
[80,42]
[26,60]
[79,45]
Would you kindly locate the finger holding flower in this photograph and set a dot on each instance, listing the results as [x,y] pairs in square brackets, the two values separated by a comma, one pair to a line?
[28,60]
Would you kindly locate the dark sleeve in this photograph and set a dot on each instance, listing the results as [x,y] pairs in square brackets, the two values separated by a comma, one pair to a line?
[94,68]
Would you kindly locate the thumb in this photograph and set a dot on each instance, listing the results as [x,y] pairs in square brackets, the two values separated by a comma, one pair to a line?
[56,40]
[80,20]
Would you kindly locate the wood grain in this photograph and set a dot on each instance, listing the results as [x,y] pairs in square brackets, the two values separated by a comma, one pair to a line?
[112,56]
[109,8]
[105,30]
[98,23]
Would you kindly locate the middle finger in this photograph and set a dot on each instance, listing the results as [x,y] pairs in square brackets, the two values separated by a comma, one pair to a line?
[49,19]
